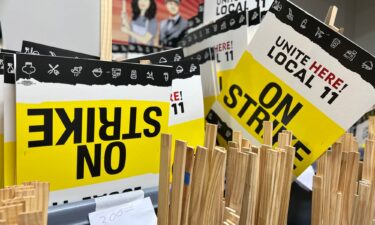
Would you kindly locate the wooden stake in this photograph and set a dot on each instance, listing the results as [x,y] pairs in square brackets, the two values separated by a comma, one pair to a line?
[262,154]
[337,216]
[195,207]
[236,197]
[106,30]
[187,185]
[268,187]
[326,188]
[371,128]
[230,215]
[237,137]
[232,144]
[316,216]
[164,178]
[250,191]
[210,137]
[287,185]
[177,183]
[331,18]
[245,143]
[267,135]
[335,174]
[11,213]
[230,173]
[352,179]
[369,161]
[30,218]
[145,62]
[216,179]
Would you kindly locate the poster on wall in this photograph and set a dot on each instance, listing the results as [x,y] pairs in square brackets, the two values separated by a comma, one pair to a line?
[302,76]
[154,22]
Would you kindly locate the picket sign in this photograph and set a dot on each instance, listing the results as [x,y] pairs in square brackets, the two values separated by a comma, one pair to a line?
[186,117]
[279,78]
[95,160]
[9,92]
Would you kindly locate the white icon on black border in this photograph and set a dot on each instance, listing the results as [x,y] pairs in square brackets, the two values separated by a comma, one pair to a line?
[53,69]
[28,68]
[166,76]
[277,5]
[350,55]
[368,65]
[133,75]
[76,70]
[179,69]
[163,60]
[116,73]
[336,42]
[97,72]
[290,15]
[11,68]
[150,75]
[319,33]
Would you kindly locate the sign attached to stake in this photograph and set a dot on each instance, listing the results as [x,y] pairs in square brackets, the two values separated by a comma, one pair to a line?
[302,76]
[91,132]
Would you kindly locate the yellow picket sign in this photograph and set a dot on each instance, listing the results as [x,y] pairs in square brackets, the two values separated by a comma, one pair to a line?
[250,100]
[98,135]
[288,75]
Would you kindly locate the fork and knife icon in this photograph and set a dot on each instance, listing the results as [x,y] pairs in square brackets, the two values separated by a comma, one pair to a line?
[53,69]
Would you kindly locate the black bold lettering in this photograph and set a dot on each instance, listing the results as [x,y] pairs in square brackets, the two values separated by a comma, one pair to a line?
[289,64]
[71,126]
[249,102]
[286,105]
[46,127]
[275,97]
[270,52]
[280,58]
[288,47]
[90,136]
[132,125]
[301,75]
[233,100]
[106,124]
[108,158]
[147,118]
[83,155]
[260,115]
[280,43]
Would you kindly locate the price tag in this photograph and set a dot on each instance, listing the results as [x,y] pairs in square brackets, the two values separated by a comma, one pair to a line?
[140,212]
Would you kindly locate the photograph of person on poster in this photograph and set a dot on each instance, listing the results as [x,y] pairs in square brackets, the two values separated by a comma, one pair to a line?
[143,26]
[173,28]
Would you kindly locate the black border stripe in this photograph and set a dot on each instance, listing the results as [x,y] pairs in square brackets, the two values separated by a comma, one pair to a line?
[281,9]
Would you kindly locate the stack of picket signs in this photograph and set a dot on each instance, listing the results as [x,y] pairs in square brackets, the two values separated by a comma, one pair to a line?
[90,127]
[257,181]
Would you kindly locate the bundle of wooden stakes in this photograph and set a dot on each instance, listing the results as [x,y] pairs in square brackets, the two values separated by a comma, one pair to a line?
[243,185]
[343,188]
[25,204]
